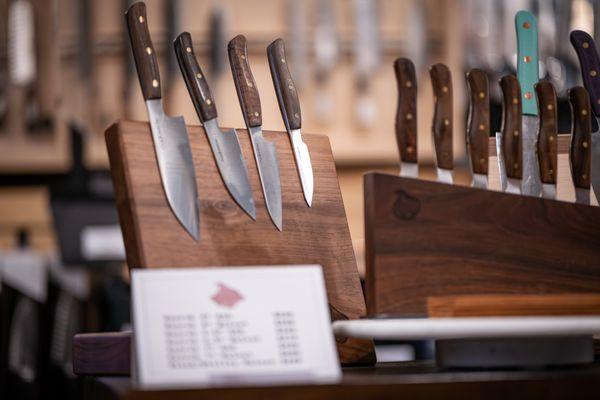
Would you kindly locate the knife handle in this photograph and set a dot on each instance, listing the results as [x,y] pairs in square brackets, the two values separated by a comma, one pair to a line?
[441,81]
[512,143]
[590,65]
[144,55]
[194,78]
[406,113]
[527,56]
[581,135]
[244,81]
[547,145]
[478,127]
[287,96]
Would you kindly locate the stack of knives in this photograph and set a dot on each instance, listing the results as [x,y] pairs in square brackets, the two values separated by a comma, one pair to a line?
[527,142]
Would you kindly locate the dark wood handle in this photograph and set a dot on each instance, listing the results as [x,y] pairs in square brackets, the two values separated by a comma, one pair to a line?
[406,113]
[547,146]
[590,65]
[581,132]
[441,81]
[478,127]
[244,81]
[287,96]
[512,114]
[194,78]
[143,50]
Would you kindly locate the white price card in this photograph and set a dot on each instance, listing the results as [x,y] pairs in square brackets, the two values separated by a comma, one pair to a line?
[207,327]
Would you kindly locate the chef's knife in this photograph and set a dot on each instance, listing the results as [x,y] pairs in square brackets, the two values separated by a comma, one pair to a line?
[289,104]
[547,137]
[224,144]
[441,81]
[171,141]
[579,151]
[511,145]
[528,74]
[406,117]
[264,151]
[478,126]
[590,70]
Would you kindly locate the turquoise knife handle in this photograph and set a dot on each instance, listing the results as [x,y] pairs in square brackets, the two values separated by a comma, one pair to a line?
[527,56]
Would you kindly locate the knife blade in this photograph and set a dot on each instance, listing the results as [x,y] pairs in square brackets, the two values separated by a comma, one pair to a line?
[547,145]
[224,144]
[406,117]
[289,104]
[478,126]
[171,142]
[579,150]
[511,144]
[264,150]
[441,81]
[528,75]
[590,70]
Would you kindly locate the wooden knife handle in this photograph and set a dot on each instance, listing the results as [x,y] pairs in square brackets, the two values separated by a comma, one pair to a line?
[406,113]
[590,66]
[194,78]
[478,127]
[244,81]
[512,143]
[441,81]
[527,56]
[547,145]
[143,51]
[581,135]
[287,96]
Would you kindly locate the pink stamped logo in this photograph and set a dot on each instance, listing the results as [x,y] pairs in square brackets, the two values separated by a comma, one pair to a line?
[226,296]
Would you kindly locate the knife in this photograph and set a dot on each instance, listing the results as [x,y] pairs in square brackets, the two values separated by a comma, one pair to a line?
[441,81]
[478,126]
[528,75]
[224,144]
[289,104]
[327,49]
[171,141]
[590,69]
[264,150]
[579,151]
[547,149]
[511,145]
[406,117]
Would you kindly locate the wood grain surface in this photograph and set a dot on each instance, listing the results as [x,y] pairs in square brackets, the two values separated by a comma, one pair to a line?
[512,137]
[478,125]
[312,235]
[245,85]
[581,137]
[547,146]
[287,95]
[406,111]
[102,354]
[441,81]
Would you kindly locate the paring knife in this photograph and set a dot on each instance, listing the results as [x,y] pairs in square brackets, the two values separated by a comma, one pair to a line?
[264,151]
[171,141]
[224,144]
[289,104]
[441,81]
[528,74]
[478,126]
[406,117]
[511,145]
[590,70]
[579,151]
[547,145]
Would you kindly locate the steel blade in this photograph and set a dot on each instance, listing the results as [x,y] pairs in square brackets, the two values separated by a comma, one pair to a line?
[479,181]
[513,186]
[531,183]
[172,147]
[303,165]
[582,196]
[500,156]
[595,167]
[548,191]
[444,175]
[409,170]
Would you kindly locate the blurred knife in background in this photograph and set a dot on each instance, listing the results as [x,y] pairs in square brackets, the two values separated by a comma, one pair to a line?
[478,127]
[327,53]
[442,127]
[297,44]
[579,151]
[172,14]
[547,144]
[406,117]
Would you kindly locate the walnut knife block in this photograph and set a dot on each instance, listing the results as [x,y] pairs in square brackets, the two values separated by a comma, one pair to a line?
[229,237]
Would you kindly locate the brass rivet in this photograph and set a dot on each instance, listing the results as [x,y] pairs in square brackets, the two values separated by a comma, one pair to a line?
[283,60]
[551,138]
[445,89]
[199,75]
[141,19]
[297,115]
[243,57]
[481,95]
[188,49]
[446,121]
[516,133]
[550,171]
[408,84]
[148,50]
[516,100]
[585,145]
[550,107]
[154,83]
[585,45]
[208,101]
[409,116]
[584,176]
[250,84]
[291,87]
[526,25]
[528,95]
[516,165]
[584,112]
[409,149]
[481,127]
[593,72]
[256,114]
[482,161]
[526,59]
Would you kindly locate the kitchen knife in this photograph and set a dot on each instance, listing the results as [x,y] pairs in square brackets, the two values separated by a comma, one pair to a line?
[511,145]
[327,49]
[406,117]
[590,70]
[264,151]
[441,81]
[579,151]
[547,137]
[171,141]
[224,144]
[289,104]
[478,126]
[528,75]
